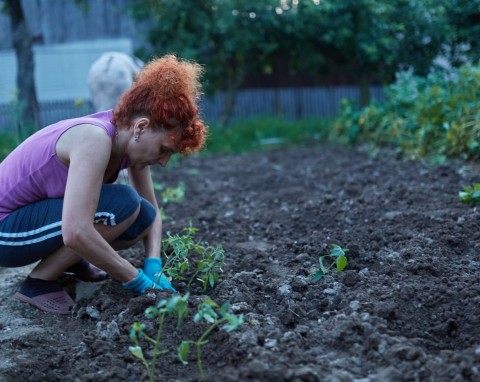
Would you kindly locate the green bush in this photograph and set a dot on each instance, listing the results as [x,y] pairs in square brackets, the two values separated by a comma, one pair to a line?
[436,116]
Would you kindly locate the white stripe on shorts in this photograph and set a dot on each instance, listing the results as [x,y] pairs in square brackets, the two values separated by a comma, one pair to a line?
[107,218]
[32,241]
[32,232]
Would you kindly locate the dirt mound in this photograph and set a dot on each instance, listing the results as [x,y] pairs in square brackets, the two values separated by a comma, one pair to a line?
[406,308]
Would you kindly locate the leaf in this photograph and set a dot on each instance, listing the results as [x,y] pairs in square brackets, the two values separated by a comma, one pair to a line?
[158,186]
[172,303]
[322,267]
[318,275]
[233,322]
[464,197]
[210,316]
[151,312]
[183,351]
[137,352]
[341,262]
[224,308]
[136,331]
[337,251]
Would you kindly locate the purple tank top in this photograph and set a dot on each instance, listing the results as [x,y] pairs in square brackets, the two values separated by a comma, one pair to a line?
[33,172]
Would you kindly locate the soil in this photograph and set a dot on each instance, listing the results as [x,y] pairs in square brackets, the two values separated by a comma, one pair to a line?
[406,308]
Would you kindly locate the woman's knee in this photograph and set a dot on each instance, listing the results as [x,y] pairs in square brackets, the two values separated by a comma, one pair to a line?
[143,222]
[118,203]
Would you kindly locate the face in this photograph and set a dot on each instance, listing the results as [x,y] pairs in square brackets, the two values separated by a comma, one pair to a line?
[154,146]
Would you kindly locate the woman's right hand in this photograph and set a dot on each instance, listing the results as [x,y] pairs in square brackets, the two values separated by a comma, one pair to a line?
[153,269]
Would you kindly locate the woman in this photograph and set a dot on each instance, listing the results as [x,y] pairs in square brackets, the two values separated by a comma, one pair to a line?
[58,203]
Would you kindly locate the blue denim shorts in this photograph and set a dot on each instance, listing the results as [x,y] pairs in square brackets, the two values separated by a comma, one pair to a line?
[32,232]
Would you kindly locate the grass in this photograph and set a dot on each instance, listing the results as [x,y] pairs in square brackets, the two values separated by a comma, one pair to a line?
[255,134]
[263,133]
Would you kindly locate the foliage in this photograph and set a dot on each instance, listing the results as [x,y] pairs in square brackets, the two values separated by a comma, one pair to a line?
[170,194]
[182,252]
[436,116]
[371,40]
[336,258]
[206,311]
[229,37]
[470,194]
[177,305]
[368,40]
[464,30]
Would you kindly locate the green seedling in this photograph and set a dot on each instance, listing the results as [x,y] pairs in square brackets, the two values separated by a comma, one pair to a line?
[175,305]
[174,194]
[470,194]
[158,186]
[182,250]
[336,258]
[208,266]
[163,215]
[169,195]
[206,311]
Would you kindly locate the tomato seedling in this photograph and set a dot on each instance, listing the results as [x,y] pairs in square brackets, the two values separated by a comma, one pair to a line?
[336,258]
[206,311]
[174,305]
[470,194]
[182,250]
[178,305]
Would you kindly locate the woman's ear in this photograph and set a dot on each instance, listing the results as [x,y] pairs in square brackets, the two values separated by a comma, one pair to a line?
[140,125]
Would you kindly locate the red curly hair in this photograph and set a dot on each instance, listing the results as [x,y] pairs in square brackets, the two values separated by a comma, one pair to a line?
[166,90]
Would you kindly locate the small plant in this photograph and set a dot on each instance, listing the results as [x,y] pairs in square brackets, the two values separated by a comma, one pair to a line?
[175,305]
[336,257]
[174,194]
[169,195]
[178,305]
[208,266]
[208,259]
[206,311]
[470,194]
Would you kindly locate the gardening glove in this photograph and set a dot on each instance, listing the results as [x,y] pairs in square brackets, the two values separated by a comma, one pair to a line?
[140,283]
[152,267]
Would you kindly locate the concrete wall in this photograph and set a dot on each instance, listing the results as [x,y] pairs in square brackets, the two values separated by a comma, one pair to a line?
[60,69]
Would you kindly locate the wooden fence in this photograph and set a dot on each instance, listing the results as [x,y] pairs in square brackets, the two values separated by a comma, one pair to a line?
[293,103]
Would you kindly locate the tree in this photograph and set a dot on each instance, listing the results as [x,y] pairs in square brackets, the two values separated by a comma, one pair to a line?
[22,43]
[232,39]
[464,22]
[368,40]
[371,40]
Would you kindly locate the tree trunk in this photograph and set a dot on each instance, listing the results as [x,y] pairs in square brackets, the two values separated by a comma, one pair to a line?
[27,96]
[228,106]
[235,78]
[278,103]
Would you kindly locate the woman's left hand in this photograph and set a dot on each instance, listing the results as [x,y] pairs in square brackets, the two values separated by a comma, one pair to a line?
[152,267]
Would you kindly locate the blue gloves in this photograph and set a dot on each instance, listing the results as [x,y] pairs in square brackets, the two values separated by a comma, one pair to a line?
[140,283]
[153,270]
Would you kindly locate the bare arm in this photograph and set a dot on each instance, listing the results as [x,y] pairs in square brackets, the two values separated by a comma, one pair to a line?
[87,149]
[141,180]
